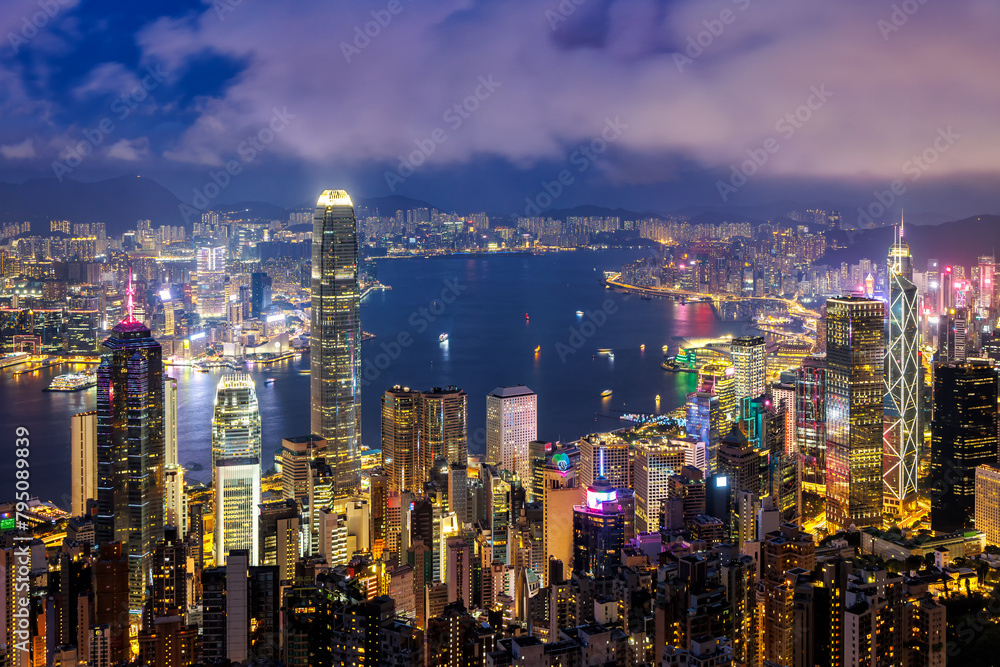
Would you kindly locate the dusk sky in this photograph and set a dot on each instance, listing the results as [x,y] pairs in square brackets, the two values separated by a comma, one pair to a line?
[834,99]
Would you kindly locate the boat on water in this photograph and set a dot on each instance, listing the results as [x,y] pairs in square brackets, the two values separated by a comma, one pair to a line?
[538,349]
[72,382]
[303,372]
[642,348]
[579,313]
[604,350]
[605,393]
[443,338]
[268,380]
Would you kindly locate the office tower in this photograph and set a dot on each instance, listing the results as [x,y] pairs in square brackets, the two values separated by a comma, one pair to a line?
[279,536]
[130,446]
[458,492]
[237,604]
[987,502]
[605,455]
[169,643]
[111,601]
[855,347]
[902,380]
[170,577]
[963,436]
[749,361]
[401,455]
[719,379]
[953,335]
[236,466]
[511,423]
[783,399]
[655,461]
[335,344]
[170,453]
[985,287]
[260,294]
[444,426]
[459,570]
[560,492]
[946,294]
[296,455]
[598,532]
[810,422]
[211,265]
[83,461]
[741,469]
[81,331]
[704,420]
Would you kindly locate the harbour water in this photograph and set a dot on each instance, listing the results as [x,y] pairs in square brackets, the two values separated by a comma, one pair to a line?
[510,319]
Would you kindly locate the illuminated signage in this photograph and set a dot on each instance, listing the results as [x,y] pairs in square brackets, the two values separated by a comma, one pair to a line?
[197,336]
[275,318]
[165,295]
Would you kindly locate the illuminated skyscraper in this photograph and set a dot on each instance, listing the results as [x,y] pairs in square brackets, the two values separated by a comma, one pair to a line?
[963,436]
[83,461]
[130,446]
[901,439]
[236,466]
[443,426]
[212,281]
[855,350]
[719,379]
[401,454]
[599,532]
[655,461]
[605,455]
[335,345]
[511,423]
[749,361]
[810,422]
[170,453]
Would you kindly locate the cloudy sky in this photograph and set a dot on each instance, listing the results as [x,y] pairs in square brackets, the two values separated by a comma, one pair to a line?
[644,104]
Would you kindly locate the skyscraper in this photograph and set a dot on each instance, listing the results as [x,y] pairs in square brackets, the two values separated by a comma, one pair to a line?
[335,344]
[598,531]
[236,437]
[211,281]
[902,387]
[170,455]
[810,421]
[749,360]
[963,436]
[443,426]
[83,461]
[260,293]
[855,350]
[130,446]
[605,455]
[511,423]
[655,461]
[401,454]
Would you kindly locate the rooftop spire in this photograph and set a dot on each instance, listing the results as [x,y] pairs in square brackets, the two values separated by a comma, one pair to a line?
[129,305]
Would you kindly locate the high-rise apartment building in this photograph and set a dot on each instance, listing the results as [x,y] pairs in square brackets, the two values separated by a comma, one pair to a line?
[130,446]
[511,423]
[963,437]
[444,426]
[335,344]
[855,350]
[901,438]
[236,444]
[211,265]
[810,422]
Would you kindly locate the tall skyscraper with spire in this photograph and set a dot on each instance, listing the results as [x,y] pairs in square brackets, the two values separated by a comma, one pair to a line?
[335,346]
[130,446]
[901,439]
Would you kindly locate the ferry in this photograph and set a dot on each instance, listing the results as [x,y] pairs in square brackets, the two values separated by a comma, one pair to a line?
[605,393]
[73,382]
[13,359]
[605,350]
[443,338]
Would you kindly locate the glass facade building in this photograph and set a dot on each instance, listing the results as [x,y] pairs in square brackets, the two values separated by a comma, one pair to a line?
[335,345]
